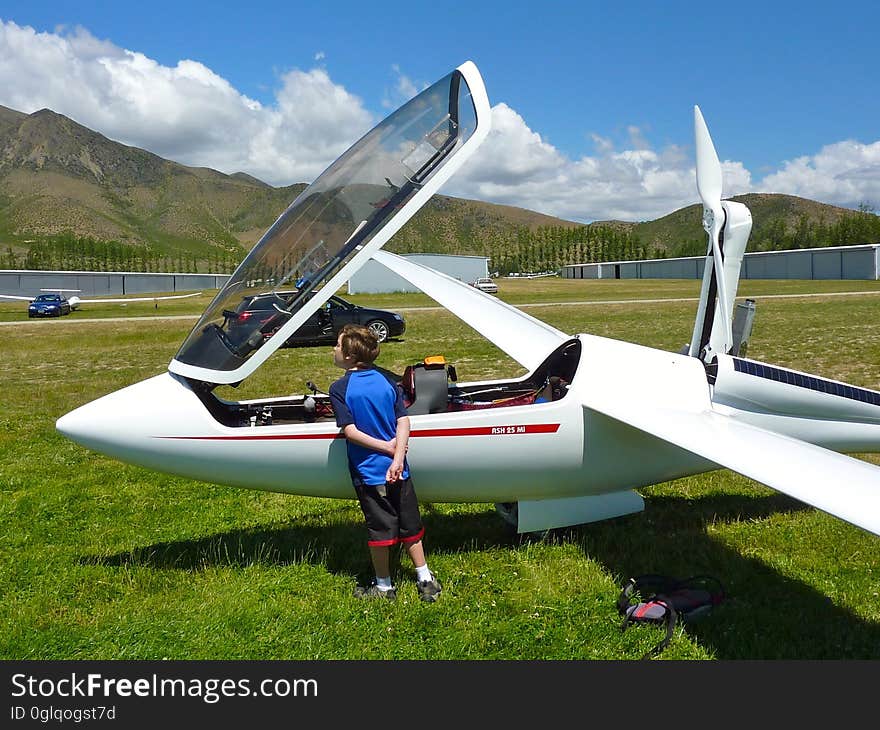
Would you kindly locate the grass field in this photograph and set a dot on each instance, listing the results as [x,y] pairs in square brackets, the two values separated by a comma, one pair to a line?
[100,560]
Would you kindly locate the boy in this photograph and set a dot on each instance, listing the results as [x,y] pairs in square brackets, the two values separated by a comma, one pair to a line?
[369,409]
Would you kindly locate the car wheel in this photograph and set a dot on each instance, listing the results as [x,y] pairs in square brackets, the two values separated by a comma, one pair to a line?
[379,328]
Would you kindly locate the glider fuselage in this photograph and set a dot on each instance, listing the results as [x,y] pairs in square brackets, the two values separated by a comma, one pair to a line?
[484,452]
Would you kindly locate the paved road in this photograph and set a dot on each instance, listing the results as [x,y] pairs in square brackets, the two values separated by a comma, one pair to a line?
[60,320]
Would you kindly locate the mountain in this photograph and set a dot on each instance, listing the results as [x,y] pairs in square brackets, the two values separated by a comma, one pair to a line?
[770,213]
[58,176]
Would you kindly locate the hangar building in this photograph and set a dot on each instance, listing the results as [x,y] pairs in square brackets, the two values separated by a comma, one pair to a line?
[837,262]
[29,283]
[371,279]
[374,278]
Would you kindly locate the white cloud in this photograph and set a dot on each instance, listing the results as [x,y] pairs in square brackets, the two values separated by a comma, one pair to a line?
[846,174]
[404,89]
[187,112]
[190,114]
[320,56]
[313,122]
[516,166]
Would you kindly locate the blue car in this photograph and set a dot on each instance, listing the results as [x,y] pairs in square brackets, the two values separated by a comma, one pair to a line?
[49,305]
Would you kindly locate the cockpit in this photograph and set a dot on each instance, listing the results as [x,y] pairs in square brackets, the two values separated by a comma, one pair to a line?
[330,230]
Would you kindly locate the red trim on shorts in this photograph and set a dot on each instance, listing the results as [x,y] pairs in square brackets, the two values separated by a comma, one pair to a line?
[383,543]
[395,540]
[414,538]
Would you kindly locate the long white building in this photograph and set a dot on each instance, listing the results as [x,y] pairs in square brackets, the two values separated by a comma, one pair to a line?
[837,262]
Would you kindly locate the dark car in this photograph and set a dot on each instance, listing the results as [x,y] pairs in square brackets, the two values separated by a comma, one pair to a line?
[322,326]
[49,305]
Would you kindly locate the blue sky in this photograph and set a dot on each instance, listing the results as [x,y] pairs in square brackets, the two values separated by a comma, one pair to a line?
[592,104]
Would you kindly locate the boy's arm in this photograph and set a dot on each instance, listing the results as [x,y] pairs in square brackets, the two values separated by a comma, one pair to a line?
[345,421]
[401,441]
[356,436]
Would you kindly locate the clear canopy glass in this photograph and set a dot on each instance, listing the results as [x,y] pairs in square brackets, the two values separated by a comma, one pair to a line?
[330,220]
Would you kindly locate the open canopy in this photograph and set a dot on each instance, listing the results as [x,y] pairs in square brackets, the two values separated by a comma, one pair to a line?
[335,224]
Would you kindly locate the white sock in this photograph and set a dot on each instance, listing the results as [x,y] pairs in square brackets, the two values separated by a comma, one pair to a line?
[384,584]
[422,573]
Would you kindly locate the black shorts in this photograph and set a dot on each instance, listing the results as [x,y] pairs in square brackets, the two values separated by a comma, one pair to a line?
[392,517]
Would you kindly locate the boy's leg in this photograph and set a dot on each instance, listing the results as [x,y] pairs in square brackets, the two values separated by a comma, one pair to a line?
[416,553]
[381,523]
[382,529]
[381,586]
[379,554]
[411,531]
[427,583]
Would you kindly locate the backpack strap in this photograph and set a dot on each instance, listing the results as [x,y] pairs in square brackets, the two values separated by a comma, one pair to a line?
[665,600]
[655,610]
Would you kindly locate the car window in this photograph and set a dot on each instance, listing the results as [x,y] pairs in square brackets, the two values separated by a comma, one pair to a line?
[262,303]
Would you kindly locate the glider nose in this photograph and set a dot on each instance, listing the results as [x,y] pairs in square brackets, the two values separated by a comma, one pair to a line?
[127,423]
[77,424]
[110,423]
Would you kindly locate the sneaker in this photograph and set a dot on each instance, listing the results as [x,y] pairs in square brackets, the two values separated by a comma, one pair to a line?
[429,589]
[373,591]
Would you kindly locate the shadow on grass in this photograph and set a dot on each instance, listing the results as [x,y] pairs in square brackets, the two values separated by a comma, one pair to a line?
[340,548]
[766,615]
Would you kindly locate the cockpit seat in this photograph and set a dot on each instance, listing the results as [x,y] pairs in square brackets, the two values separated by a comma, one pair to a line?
[426,387]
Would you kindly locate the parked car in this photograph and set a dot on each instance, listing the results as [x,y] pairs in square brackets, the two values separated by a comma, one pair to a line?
[484,283]
[49,305]
[322,326]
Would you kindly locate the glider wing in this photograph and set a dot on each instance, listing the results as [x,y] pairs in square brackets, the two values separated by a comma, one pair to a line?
[526,339]
[840,485]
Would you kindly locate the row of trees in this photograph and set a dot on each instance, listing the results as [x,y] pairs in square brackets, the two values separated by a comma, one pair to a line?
[862,226]
[83,253]
[547,248]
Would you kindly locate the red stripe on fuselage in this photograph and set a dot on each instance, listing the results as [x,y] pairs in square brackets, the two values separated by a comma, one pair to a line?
[512,430]
[264,437]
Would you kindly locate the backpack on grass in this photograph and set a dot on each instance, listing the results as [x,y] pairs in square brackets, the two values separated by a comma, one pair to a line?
[660,599]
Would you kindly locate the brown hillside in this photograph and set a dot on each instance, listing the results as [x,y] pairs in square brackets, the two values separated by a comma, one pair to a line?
[57,175]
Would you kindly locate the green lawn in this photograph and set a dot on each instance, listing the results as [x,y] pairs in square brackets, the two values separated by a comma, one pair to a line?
[100,560]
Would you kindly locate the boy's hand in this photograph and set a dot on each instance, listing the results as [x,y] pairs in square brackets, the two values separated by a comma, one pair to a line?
[394,471]
[392,447]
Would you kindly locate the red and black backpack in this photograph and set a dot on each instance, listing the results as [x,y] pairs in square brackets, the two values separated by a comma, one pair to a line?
[660,599]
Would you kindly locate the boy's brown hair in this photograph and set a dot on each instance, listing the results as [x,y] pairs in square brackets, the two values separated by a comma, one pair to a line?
[359,343]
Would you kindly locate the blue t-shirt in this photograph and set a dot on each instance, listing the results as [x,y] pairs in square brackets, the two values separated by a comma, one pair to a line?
[373,404]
